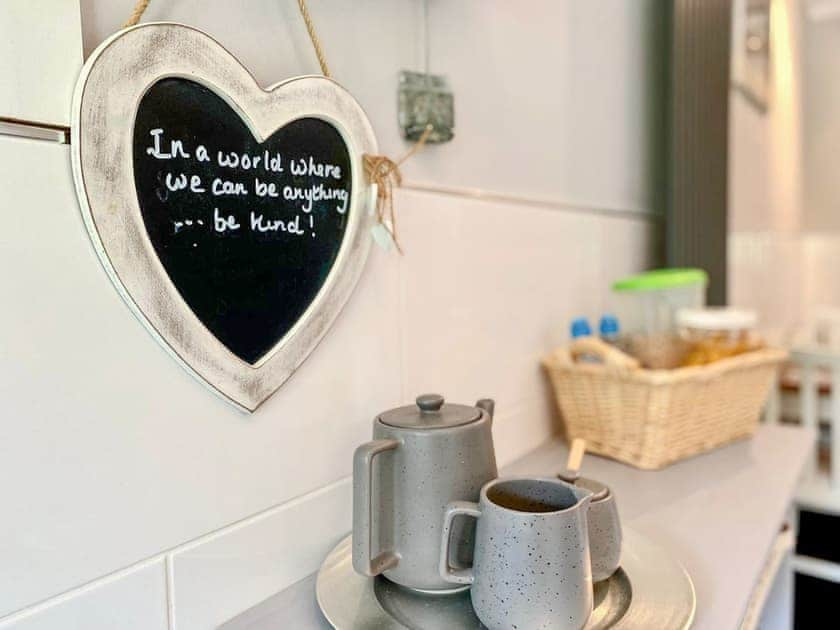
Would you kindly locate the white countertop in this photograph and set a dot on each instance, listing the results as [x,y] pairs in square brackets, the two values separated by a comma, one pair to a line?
[718,513]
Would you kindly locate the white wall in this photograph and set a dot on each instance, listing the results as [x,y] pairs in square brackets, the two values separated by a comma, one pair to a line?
[41,57]
[821,124]
[551,99]
[765,180]
[127,487]
[784,191]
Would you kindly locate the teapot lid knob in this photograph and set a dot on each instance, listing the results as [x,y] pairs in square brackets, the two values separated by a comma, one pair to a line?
[430,412]
[430,402]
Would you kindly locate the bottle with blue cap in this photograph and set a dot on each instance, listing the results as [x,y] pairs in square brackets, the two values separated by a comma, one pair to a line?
[581,328]
[610,332]
[608,329]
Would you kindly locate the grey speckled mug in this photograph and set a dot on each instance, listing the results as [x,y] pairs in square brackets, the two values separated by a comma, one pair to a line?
[531,567]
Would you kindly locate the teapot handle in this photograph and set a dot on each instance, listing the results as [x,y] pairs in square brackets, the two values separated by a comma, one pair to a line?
[363,510]
[456,508]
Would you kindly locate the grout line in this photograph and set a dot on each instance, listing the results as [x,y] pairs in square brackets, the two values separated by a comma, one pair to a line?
[113,576]
[544,204]
[170,591]
[258,516]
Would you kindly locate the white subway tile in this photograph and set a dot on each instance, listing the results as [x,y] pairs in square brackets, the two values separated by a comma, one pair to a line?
[41,53]
[521,427]
[218,579]
[489,287]
[625,246]
[485,286]
[572,122]
[131,600]
[759,258]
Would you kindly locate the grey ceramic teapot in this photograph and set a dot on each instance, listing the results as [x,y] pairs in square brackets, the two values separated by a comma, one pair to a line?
[422,457]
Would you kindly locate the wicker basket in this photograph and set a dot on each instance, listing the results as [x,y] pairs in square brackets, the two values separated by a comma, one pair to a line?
[651,418]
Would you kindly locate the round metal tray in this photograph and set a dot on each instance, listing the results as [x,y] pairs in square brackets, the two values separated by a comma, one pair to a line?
[651,590]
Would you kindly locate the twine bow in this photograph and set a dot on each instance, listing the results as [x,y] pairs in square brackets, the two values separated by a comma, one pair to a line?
[385,173]
[379,169]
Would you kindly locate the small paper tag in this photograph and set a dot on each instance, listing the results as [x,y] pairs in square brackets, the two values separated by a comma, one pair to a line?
[382,237]
[373,192]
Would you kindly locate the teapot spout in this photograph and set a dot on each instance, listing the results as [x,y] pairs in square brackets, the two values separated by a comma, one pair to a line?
[488,404]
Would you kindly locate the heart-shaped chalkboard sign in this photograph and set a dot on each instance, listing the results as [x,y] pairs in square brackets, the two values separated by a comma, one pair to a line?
[247,231]
[233,220]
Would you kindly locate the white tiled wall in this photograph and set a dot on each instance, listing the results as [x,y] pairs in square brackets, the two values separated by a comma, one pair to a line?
[134,498]
[765,182]
[803,266]
[41,54]
[257,558]
[131,599]
[781,234]
[554,99]
[112,454]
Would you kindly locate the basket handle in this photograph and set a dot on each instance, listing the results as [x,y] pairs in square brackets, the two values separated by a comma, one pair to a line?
[610,355]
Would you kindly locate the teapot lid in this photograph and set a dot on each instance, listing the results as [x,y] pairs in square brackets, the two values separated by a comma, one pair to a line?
[430,412]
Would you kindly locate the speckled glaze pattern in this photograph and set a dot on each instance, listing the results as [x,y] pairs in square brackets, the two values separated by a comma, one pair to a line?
[531,570]
[412,485]
[604,537]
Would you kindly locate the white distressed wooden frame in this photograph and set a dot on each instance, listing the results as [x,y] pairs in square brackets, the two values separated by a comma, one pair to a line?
[108,93]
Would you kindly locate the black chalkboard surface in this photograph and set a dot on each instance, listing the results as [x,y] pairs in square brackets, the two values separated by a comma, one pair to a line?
[247,231]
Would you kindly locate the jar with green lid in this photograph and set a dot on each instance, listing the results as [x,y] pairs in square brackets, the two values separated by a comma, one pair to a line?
[647,304]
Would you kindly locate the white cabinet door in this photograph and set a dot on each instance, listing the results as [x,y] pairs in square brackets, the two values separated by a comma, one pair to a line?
[40,58]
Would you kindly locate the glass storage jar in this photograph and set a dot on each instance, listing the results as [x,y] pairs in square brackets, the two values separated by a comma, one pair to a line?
[716,333]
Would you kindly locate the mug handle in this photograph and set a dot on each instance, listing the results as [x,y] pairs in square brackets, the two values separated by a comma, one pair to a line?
[456,508]
[363,510]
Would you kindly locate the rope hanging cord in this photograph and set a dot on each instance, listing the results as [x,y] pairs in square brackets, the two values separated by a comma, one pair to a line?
[379,169]
[137,13]
[141,5]
[313,37]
